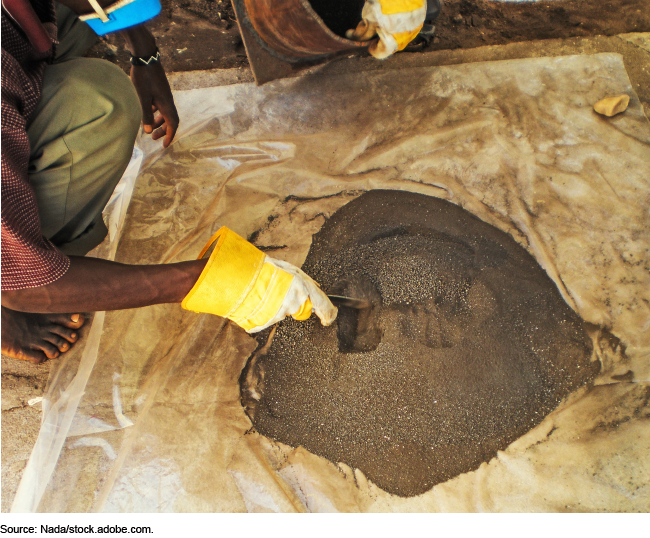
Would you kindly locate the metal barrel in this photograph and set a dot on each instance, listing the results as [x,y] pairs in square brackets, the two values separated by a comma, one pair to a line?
[290,30]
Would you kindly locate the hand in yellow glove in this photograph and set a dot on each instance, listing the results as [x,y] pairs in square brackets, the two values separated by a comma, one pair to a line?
[396,22]
[243,284]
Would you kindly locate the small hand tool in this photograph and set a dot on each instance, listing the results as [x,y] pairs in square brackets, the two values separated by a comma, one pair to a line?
[342,300]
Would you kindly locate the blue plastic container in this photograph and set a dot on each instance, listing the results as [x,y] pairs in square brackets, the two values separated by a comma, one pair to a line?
[132,14]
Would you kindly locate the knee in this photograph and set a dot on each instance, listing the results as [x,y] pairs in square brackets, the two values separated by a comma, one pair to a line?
[105,98]
[116,100]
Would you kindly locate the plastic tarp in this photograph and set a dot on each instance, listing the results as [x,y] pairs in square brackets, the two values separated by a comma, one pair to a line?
[147,416]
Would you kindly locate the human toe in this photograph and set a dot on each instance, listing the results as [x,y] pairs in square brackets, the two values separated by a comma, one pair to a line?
[68,334]
[49,349]
[61,344]
[71,321]
[34,356]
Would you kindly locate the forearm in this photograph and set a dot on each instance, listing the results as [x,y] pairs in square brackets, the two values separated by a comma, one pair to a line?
[139,41]
[92,284]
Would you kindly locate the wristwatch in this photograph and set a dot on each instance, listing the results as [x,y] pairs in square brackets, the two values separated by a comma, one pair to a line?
[145,60]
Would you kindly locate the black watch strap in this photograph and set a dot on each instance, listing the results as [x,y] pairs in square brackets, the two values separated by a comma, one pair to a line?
[139,60]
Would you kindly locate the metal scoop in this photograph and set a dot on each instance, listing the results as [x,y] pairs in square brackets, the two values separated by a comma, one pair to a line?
[351,302]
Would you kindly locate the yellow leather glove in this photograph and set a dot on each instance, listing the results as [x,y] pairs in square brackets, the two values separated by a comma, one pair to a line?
[243,284]
[396,22]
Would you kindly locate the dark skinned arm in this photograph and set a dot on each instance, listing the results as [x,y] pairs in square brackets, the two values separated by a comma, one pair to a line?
[91,285]
[152,86]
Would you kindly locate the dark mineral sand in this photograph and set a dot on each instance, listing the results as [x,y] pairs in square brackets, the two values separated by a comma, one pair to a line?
[470,346]
[339,15]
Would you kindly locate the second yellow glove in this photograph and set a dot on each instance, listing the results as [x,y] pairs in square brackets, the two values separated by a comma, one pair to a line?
[396,22]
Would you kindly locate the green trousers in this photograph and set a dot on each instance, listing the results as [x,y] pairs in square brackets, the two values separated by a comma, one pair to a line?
[81,136]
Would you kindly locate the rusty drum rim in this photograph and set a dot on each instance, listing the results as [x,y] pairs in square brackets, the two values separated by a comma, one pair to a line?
[347,43]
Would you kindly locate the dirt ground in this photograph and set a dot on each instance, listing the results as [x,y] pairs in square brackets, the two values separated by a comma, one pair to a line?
[203,34]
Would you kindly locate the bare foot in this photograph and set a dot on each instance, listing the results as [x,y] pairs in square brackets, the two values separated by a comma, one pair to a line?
[38,337]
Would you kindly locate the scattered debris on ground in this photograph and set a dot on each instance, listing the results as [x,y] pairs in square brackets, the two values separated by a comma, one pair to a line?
[203,34]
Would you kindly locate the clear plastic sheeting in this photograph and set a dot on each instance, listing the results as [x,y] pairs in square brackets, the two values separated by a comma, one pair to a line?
[159,427]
